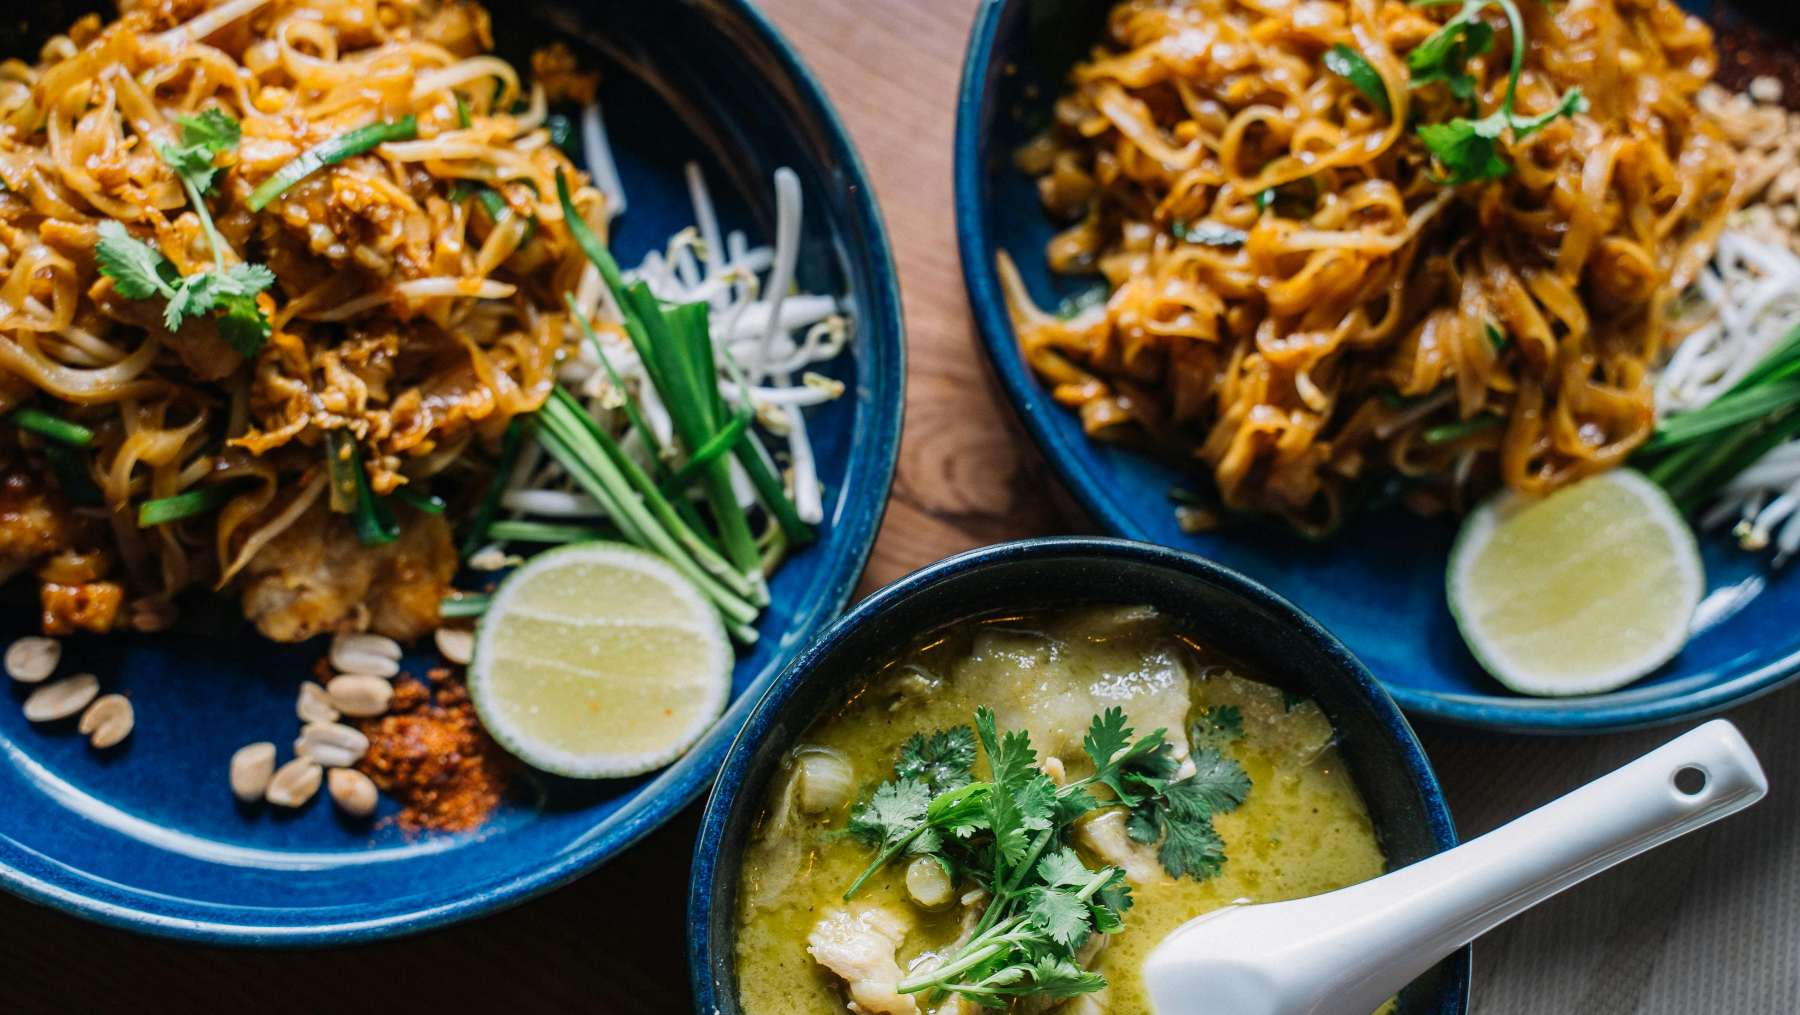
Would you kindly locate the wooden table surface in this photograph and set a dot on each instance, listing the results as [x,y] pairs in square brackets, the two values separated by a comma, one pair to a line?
[1710,923]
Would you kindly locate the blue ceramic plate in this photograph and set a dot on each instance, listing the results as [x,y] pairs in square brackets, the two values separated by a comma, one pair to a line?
[1379,583]
[1223,609]
[148,836]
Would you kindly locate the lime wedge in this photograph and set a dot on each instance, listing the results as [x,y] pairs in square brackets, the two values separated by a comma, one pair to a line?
[598,660]
[1579,592]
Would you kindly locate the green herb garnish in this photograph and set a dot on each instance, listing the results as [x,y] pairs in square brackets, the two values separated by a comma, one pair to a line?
[331,152]
[44,424]
[1469,149]
[1450,433]
[199,501]
[1355,68]
[1213,234]
[1075,305]
[1008,834]
[140,271]
[1217,725]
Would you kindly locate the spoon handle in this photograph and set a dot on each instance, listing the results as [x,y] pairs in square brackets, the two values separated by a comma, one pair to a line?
[1421,913]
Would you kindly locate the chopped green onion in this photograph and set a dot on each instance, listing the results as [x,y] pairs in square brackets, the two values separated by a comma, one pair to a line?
[676,350]
[331,152]
[1080,303]
[580,447]
[561,130]
[423,501]
[1496,337]
[182,505]
[509,531]
[720,443]
[55,428]
[463,604]
[1744,405]
[490,501]
[463,119]
[1450,433]
[351,494]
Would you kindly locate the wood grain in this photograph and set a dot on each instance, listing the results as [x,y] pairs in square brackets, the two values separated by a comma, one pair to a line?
[1709,924]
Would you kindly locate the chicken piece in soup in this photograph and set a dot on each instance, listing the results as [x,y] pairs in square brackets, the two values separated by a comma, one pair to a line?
[919,854]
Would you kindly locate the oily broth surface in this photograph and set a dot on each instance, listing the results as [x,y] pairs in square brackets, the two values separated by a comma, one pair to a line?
[1302,831]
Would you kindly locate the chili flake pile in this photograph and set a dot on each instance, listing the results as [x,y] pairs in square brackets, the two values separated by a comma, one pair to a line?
[432,756]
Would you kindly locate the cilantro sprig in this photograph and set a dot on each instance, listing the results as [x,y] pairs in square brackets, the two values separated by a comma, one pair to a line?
[139,271]
[1469,149]
[1008,834]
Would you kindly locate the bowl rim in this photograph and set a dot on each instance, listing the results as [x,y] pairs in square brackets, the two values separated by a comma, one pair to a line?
[1611,712]
[721,803]
[657,802]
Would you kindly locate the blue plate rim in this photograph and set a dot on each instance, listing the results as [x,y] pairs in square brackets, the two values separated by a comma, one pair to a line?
[1035,409]
[654,804]
[782,689]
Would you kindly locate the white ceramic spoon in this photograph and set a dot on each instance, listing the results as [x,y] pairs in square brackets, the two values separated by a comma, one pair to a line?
[1345,952]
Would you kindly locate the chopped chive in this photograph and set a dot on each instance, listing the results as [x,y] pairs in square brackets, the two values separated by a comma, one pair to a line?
[425,502]
[340,467]
[1745,405]
[1450,433]
[331,152]
[183,505]
[351,494]
[509,531]
[463,604]
[463,119]
[593,468]
[490,501]
[676,351]
[719,445]
[53,427]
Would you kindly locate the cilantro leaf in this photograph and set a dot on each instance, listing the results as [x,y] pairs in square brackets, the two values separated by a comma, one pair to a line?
[896,811]
[1192,850]
[943,760]
[243,323]
[1055,976]
[1469,149]
[203,138]
[138,270]
[1063,867]
[1180,816]
[1061,915]
[1355,68]
[1224,723]
[1219,785]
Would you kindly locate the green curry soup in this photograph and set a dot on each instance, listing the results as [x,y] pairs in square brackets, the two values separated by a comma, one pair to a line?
[1300,829]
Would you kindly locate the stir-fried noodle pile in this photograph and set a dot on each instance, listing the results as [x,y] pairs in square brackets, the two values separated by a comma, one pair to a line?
[1320,278]
[333,263]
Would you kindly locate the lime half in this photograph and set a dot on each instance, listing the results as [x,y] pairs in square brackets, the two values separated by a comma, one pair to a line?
[1579,592]
[599,660]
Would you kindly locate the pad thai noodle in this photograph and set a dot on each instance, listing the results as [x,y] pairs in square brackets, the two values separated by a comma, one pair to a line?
[1349,243]
[283,277]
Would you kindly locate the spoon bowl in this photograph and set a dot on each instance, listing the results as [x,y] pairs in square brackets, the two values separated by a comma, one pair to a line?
[1345,952]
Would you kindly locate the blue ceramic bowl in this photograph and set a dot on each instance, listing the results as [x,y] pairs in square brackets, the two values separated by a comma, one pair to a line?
[1379,582]
[1220,607]
[148,836]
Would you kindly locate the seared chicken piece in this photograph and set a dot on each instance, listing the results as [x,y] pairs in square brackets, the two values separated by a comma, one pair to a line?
[858,944]
[313,577]
[32,523]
